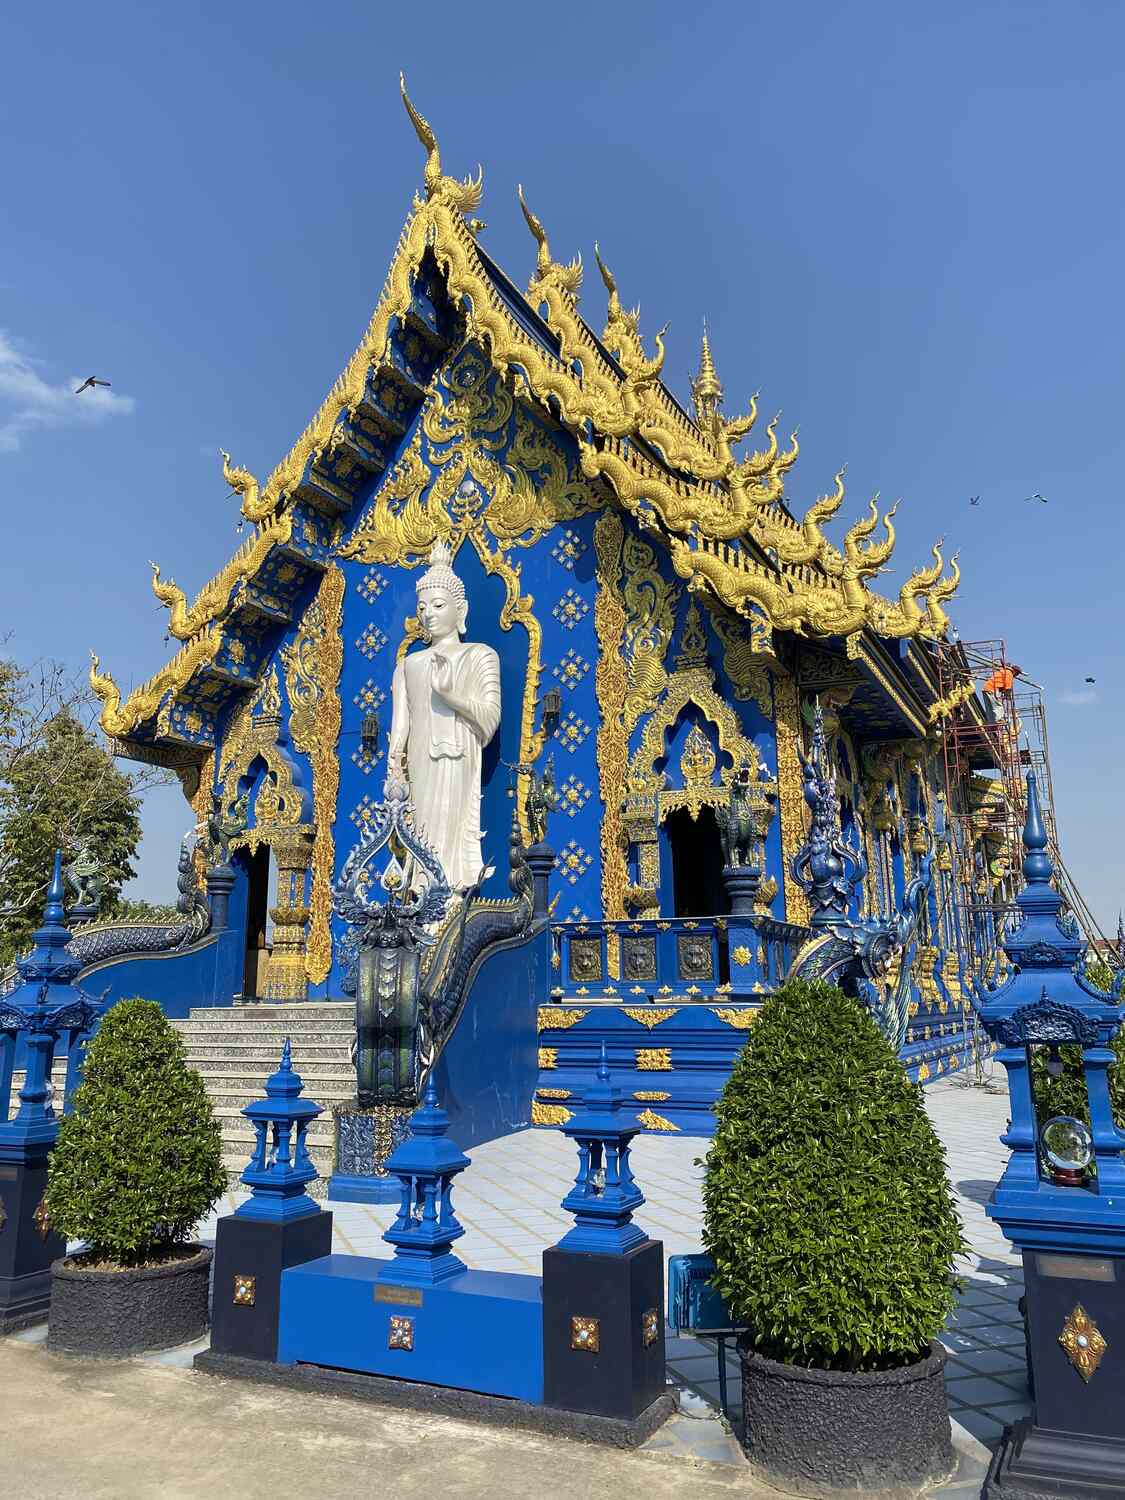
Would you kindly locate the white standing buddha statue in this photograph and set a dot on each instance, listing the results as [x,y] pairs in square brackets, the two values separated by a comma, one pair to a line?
[446,709]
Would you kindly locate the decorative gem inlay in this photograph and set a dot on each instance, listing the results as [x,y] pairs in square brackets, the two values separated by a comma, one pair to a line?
[568,549]
[574,862]
[570,610]
[652,1121]
[366,759]
[647,1015]
[41,1218]
[650,1327]
[1082,1341]
[740,955]
[654,1059]
[363,813]
[638,956]
[585,959]
[573,796]
[572,730]
[400,1335]
[693,957]
[244,1290]
[585,1335]
[371,585]
[571,670]
[371,642]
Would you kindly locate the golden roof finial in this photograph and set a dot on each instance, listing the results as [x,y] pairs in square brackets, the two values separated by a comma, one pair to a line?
[706,388]
[462,197]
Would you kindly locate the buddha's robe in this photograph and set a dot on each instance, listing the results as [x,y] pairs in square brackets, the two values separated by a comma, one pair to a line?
[440,750]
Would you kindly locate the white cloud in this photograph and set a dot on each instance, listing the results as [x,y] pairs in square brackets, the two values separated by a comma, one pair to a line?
[1081,698]
[28,402]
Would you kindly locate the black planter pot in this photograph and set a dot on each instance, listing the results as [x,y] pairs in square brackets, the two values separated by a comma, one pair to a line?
[127,1312]
[829,1432]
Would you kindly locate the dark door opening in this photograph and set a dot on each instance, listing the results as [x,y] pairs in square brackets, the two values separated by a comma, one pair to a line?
[697,864]
[257,903]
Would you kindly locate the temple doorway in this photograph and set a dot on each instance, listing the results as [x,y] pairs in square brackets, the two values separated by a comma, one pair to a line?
[257,922]
[697,864]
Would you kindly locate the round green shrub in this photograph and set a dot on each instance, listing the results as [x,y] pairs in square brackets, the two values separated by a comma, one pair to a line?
[138,1161]
[826,1205]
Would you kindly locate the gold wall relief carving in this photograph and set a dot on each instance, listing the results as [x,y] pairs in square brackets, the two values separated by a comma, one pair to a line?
[647,1015]
[312,673]
[549,1114]
[654,1059]
[548,1057]
[652,1121]
[741,1020]
[201,807]
[654,1096]
[650,601]
[611,687]
[557,1017]
[790,792]
[744,642]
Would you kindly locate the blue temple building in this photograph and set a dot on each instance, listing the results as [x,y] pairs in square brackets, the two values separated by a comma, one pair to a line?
[678,639]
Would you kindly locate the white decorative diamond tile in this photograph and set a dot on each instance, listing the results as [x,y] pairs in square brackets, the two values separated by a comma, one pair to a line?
[366,760]
[370,697]
[570,609]
[576,914]
[371,642]
[568,549]
[371,585]
[574,862]
[571,670]
[572,730]
[573,796]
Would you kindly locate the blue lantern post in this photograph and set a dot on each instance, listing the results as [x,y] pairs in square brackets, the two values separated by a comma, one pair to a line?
[1061,1202]
[603,1283]
[279,1225]
[43,1006]
[426,1226]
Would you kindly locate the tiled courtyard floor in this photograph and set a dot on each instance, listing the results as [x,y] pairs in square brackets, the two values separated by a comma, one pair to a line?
[508,1202]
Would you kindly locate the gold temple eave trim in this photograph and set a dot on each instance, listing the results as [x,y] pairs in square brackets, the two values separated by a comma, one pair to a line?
[618,402]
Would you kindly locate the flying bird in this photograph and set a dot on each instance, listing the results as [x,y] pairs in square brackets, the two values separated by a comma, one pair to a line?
[1091,679]
[974,500]
[89,383]
[1037,496]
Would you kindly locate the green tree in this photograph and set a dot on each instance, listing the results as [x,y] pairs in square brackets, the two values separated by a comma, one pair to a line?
[126,910]
[827,1209]
[139,1160]
[58,789]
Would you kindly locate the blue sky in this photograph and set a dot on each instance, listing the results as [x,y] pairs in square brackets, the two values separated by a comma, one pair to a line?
[903,224]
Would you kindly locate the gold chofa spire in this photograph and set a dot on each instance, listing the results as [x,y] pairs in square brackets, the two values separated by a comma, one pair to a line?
[706,388]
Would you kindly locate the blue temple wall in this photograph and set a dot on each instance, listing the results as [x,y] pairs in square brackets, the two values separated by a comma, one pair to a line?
[487,1072]
[208,974]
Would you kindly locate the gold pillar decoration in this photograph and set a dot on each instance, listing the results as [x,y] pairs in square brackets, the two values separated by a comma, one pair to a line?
[285,975]
[790,792]
[611,686]
[312,677]
[201,807]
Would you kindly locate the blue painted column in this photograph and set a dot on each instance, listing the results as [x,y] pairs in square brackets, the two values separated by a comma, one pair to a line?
[1066,1216]
[41,1008]
[279,1225]
[603,1283]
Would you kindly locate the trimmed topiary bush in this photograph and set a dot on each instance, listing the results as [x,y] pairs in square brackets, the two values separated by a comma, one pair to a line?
[827,1209]
[138,1162]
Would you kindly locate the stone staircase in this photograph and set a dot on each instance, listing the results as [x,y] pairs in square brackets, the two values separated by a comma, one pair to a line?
[237,1049]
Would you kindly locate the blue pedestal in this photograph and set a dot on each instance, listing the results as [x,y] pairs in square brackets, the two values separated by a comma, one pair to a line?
[480,1331]
[344,1188]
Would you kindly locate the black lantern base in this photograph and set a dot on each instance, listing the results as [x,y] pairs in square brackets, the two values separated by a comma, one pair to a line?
[743,882]
[1034,1462]
[28,1244]
[250,1255]
[603,1330]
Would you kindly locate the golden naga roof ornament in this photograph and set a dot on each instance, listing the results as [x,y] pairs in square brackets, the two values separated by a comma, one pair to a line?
[109,695]
[549,273]
[182,622]
[243,483]
[462,197]
[622,335]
